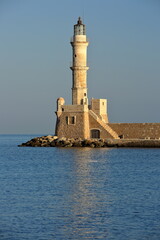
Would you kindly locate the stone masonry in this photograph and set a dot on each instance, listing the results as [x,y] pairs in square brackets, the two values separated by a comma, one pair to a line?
[90,120]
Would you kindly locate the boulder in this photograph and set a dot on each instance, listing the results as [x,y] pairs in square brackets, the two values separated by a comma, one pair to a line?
[77,143]
[52,144]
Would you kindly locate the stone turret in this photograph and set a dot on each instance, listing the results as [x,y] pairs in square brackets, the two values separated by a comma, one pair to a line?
[60,103]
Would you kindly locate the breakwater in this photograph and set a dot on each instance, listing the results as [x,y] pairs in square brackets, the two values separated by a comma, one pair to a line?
[53,141]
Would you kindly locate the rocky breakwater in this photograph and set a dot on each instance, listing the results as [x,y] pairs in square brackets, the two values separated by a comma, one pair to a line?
[53,141]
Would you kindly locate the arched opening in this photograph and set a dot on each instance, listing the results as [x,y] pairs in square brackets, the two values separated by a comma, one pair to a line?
[95,133]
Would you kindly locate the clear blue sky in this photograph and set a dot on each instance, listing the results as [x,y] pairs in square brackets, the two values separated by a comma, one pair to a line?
[35,55]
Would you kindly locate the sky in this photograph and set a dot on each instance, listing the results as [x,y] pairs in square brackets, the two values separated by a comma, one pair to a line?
[35,56]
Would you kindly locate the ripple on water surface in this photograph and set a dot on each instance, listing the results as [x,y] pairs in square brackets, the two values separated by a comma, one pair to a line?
[78,193]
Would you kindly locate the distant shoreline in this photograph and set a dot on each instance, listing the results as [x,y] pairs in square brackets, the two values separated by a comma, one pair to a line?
[53,141]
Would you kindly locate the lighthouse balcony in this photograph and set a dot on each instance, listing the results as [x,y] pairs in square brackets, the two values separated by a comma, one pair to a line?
[79,67]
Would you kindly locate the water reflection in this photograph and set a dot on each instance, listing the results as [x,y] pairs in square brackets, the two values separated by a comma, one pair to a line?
[88,199]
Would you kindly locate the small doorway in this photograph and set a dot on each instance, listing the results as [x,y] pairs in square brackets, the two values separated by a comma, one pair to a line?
[95,133]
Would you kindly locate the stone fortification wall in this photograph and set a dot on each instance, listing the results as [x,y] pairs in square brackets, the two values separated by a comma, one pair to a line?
[73,125]
[137,130]
[93,124]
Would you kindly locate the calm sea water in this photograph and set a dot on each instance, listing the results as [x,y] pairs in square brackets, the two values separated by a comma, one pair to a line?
[78,193]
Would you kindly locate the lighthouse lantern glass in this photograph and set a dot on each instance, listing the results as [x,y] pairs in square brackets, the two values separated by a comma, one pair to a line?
[79,30]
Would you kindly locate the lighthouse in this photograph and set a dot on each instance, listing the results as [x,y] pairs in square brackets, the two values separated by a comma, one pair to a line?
[79,64]
[85,119]
[82,119]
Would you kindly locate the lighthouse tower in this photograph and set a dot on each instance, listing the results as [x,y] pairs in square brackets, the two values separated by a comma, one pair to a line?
[81,119]
[79,65]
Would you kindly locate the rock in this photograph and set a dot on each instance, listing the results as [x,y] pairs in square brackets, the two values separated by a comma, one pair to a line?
[77,143]
[108,143]
[55,137]
[92,145]
[67,142]
[62,139]
[87,142]
[68,145]
[33,140]
[52,144]
[45,145]
[49,136]
[57,143]
[99,144]
[53,141]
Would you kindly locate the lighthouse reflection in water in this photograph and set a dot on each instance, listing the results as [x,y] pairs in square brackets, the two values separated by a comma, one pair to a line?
[88,196]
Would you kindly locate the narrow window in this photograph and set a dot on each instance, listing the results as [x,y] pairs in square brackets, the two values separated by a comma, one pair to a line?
[84,94]
[72,120]
[67,120]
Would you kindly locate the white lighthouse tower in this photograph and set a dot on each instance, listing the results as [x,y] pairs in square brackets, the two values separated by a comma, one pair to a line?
[79,65]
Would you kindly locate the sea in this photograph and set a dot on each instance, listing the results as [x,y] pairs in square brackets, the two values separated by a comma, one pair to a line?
[78,193]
